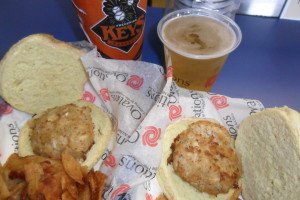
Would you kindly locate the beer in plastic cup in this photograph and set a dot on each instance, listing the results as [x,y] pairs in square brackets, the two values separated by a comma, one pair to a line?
[115,27]
[197,43]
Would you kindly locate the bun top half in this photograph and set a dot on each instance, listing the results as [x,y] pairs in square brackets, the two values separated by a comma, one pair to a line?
[41,72]
[269,145]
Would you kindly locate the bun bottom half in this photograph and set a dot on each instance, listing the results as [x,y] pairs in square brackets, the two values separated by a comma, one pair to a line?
[103,133]
[173,187]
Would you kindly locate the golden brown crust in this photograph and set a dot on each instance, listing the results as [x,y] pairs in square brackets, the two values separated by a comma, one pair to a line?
[203,156]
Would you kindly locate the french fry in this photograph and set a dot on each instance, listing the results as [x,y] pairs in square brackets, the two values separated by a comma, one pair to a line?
[4,192]
[67,196]
[96,181]
[100,179]
[92,185]
[13,171]
[50,187]
[36,177]
[72,167]
[84,192]
[18,192]
[69,185]
[33,174]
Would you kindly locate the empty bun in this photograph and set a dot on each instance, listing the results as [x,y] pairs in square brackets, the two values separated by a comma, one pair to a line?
[40,72]
[269,144]
[172,185]
[102,129]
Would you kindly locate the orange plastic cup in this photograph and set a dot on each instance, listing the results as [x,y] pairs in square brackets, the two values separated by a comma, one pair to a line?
[115,27]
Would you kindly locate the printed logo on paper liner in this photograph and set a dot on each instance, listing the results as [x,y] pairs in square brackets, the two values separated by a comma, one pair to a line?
[135,82]
[219,102]
[110,161]
[5,108]
[88,97]
[148,196]
[123,25]
[174,112]
[151,136]
[104,94]
[120,192]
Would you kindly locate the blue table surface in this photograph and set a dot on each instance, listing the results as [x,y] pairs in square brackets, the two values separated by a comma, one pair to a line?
[266,65]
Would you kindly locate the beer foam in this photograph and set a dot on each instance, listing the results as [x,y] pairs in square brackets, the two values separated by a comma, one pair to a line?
[198,35]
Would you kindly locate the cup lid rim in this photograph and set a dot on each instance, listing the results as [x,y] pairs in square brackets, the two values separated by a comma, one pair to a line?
[213,14]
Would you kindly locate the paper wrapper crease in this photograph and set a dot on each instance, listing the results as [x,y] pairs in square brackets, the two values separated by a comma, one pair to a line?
[142,100]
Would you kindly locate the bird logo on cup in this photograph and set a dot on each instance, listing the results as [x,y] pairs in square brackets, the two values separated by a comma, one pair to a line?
[123,25]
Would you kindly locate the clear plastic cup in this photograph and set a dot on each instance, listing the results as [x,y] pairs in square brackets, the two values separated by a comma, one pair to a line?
[225,7]
[197,43]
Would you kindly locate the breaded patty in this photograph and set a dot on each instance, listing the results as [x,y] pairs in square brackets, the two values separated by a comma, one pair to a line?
[67,127]
[203,155]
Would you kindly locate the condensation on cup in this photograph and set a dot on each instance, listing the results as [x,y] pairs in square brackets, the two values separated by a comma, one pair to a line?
[116,27]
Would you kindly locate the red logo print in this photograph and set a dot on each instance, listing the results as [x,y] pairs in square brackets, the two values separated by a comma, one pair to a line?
[169,72]
[210,81]
[219,102]
[151,136]
[149,196]
[120,190]
[174,112]
[89,97]
[104,94]
[135,82]
[5,108]
[110,161]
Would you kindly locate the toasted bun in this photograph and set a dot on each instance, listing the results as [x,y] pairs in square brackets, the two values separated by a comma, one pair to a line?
[103,128]
[172,185]
[40,72]
[269,144]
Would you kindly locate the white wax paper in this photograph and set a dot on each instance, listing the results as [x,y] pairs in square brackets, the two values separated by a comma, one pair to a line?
[142,100]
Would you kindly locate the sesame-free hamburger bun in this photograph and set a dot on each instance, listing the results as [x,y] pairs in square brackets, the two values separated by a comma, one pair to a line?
[41,72]
[199,161]
[81,128]
[269,144]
